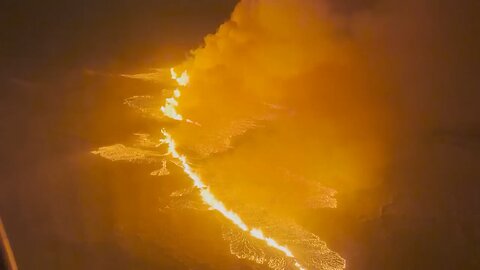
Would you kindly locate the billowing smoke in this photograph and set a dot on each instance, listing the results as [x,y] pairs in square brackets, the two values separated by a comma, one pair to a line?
[319,102]
[334,90]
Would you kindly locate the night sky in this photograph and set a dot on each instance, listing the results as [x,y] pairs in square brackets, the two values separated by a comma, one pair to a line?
[60,98]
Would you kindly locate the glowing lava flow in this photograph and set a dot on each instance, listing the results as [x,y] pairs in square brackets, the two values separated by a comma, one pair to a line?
[205,193]
[210,199]
[171,103]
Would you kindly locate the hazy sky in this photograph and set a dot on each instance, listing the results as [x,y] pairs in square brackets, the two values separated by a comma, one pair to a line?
[387,95]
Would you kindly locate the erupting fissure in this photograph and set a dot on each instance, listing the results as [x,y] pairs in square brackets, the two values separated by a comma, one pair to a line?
[169,110]
[171,103]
